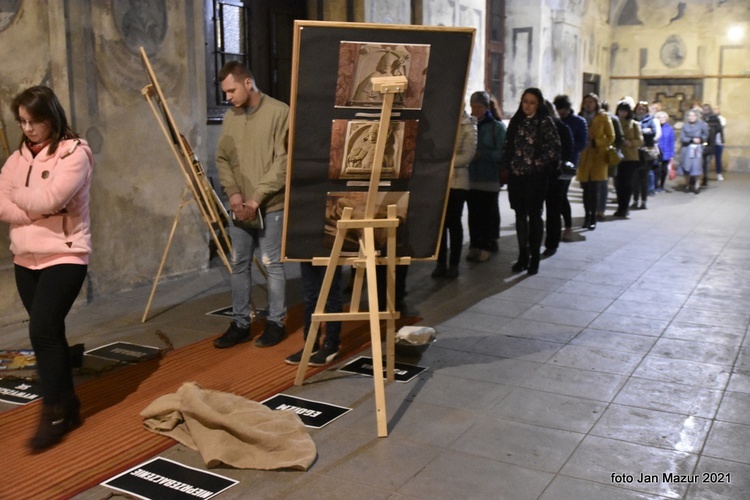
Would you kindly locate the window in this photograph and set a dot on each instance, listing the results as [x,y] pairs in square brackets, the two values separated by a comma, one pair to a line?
[226,40]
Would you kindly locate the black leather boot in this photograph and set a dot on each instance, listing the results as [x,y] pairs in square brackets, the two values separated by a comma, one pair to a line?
[522,263]
[534,264]
[56,421]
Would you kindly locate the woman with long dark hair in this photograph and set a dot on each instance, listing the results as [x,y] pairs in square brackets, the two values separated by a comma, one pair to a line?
[44,195]
[531,153]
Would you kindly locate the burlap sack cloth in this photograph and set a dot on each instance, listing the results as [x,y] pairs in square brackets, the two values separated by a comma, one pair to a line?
[231,430]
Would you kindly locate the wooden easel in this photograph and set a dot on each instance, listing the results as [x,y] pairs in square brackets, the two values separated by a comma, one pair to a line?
[366,261]
[4,140]
[212,210]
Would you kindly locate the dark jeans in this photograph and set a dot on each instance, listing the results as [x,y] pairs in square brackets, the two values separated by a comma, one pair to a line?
[718,150]
[624,183]
[590,197]
[312,282]
[556,190]
[527,194]
[453,228]
[484,219]
[640,182]
[566,212]
[663,172]
[48,294]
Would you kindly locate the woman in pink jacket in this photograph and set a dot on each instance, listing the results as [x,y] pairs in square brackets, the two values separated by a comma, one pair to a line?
[44,195]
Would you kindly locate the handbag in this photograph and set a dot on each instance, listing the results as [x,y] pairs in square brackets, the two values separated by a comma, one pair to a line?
[567,170]
[614,156]
[650,153]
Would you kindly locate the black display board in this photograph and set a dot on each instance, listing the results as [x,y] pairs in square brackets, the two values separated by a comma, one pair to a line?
[325,56]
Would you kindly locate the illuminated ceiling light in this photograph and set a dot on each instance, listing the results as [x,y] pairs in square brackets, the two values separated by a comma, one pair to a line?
[736,33]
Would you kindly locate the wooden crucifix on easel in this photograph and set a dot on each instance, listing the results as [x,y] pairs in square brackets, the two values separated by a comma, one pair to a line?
[211,208]
[365,264]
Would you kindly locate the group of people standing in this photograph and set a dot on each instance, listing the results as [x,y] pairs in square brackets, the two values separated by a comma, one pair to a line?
[545,146]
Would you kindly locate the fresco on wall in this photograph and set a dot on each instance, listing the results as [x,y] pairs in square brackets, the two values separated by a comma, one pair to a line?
[388,11]
[673,51]
[118,33]
[141,23]
[8,11]
[439,13]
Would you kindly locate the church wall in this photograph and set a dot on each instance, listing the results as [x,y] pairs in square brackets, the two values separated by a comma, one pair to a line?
[88,53]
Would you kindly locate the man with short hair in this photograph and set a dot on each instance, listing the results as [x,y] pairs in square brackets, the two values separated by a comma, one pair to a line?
[251,158]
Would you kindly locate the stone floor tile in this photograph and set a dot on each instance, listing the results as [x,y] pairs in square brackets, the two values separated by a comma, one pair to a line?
[501,307]
[563,487]
[644,295]
[629,324]
[704,333]
[438,389]
[683,372]
[653,428]
[575,382]
[670,397]
[455,474]
[480,322]
[576,302]
[728,441]
[559,316]
[388,463]
[703,352]
[713,318]
[734,407]
[596,359]
[739,381]
[720,480]
[616,341]
[631,466]
[540,330]
[518,443]
[599,290]
[654,310]
[516,348]
[550,410]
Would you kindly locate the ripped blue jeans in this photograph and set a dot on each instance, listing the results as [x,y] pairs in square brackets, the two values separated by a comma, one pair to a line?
[244,244]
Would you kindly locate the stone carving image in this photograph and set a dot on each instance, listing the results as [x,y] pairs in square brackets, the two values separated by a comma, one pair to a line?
[360,62]
[353,149]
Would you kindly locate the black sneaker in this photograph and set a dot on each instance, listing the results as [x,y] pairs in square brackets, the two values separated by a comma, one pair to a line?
[233,336]
[324,355]
[272,335]
[296,358]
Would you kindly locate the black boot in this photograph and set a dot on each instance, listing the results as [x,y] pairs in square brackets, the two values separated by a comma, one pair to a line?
[522,263]
[56,421]
[534,264]
[592,222]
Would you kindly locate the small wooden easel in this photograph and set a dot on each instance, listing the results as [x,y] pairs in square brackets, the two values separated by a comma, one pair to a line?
[367,260]
[212,210]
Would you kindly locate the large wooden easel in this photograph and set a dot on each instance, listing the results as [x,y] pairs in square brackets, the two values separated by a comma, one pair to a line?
[212,210]
[366,261]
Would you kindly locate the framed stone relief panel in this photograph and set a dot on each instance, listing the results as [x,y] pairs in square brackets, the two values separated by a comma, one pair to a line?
[334,124]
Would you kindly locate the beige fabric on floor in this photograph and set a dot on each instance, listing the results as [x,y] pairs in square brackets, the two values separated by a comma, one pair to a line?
[231,430]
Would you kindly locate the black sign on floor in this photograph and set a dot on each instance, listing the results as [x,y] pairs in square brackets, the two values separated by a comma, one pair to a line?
[402,372]
[125,352]
[18,391]
[313,414]
[225,312]
[160,479]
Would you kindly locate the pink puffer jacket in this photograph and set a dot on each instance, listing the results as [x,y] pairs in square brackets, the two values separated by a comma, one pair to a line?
[46,201]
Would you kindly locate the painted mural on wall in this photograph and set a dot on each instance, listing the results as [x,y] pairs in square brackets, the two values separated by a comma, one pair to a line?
[141,23]
[8,11]
[119,32]
[388,11]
